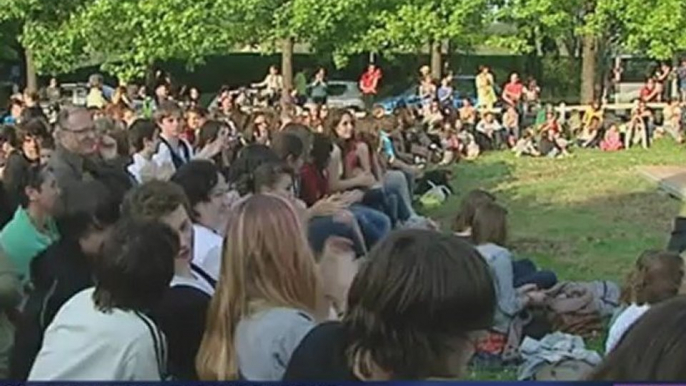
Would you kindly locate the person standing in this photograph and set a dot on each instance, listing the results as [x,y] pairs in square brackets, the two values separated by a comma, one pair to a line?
[681,77]
[369,83]
[513,91]
[485,88]
[319,88]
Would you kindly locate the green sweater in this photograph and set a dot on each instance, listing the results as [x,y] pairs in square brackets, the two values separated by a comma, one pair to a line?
[22,242]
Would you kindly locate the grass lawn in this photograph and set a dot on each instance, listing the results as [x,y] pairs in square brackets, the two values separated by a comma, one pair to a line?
[586,217]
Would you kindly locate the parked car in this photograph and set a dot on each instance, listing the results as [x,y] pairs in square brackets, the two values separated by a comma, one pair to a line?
[464,87]
[345,94]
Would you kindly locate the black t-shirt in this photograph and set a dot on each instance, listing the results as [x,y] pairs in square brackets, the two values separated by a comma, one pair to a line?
[181,315]
[321,356]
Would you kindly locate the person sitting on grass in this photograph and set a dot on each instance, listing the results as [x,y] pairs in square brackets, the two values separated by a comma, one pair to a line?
[324,220]
[414,310]
[654,349]
[181,311]
[550,146]
[672,120]
[526,145]
[612,140]
[518,284]
[103,333]
[590,136]
[464,220]
[65,268]
[32,229]
[511,125]
[656,277]
[269,295]
[209,199]
[143,141]
[640,126]
[490,134]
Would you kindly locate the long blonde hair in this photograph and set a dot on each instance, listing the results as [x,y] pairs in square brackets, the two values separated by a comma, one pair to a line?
[266,260]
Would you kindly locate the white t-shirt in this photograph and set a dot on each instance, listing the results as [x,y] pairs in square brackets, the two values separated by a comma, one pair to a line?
[623,322]
[164,156]
[85,344]
[207,250]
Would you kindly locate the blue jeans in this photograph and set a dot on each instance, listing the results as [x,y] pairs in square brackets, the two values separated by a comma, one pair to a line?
[524,271]
[374,224]
[397,183]
[319,229]
[381,201]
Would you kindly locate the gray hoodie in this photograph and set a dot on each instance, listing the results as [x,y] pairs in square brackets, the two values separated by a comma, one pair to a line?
[509,303]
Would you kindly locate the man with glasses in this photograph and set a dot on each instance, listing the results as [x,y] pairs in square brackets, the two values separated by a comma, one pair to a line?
[76,143]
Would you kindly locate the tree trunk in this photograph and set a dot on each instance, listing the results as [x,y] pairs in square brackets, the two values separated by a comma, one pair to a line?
[436,59]
[287,67]
[589,55]
[31,78]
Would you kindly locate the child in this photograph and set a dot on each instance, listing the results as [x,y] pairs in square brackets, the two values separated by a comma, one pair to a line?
[468,146]
[657,276]
[511,124]
[32,229]
[590,134]
[518,283]
[143,140]
[672,120]
[612,140]
[548,146]
[449,142]
[46,147]
[526,145]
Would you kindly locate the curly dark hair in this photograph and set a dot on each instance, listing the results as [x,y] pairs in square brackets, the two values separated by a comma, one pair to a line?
[153,200]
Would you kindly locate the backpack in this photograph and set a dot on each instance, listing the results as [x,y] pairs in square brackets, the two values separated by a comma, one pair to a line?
[572,308]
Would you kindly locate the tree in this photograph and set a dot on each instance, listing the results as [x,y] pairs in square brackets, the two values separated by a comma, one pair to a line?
[584,27]
[39,28]
[406,25]
[130,36]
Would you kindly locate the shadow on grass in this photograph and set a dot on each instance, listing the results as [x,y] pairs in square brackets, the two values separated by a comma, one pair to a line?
[595,239]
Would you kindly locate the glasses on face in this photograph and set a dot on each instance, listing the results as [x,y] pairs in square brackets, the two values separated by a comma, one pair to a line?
[82,132]
[260,123]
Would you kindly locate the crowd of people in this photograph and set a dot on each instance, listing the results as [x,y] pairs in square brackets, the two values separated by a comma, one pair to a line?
[172,241]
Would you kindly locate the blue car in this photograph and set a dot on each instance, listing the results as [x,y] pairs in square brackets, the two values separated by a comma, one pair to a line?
[464,87]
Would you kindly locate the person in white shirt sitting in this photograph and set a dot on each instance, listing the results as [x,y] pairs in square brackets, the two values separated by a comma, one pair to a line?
[656,277]
[210,201]
[174,150]
[490,134]
[143,139]
[103,333]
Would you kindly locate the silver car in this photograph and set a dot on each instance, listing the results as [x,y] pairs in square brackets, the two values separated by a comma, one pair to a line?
[345,94]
